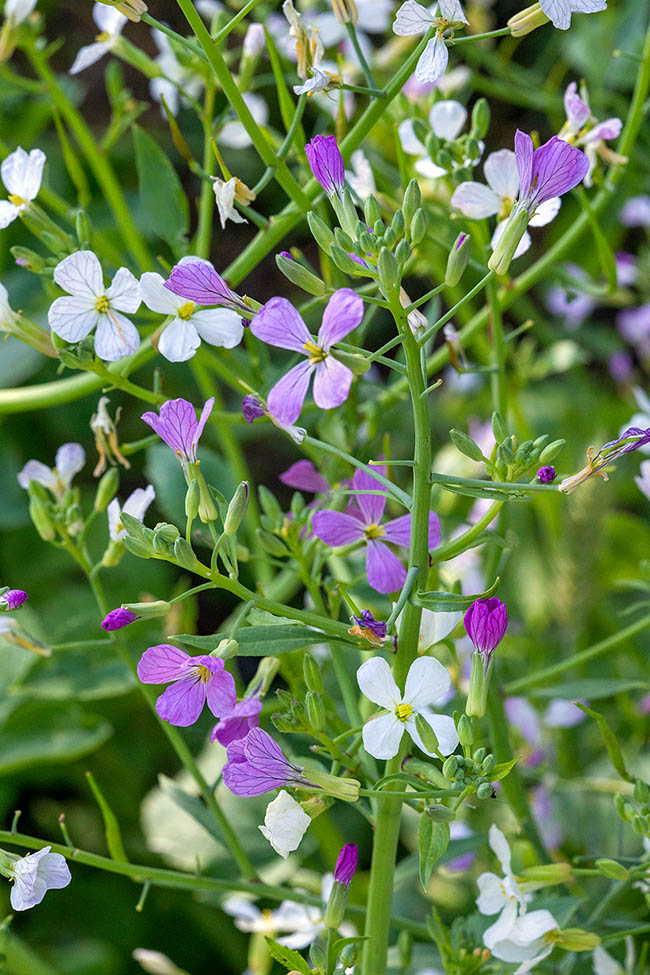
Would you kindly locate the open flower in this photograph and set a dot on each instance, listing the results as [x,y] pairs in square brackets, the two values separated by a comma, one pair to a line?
[559,11]
[238,721]
[528,940]
[70,458]
[182,336]
[90,305]
[446,118]
[135,505]
[581,129]
[111,23]
[22,174]
[500,895]
[279,324]
[17,11]
[34,875]
[194,681]
[412,18]
[363,524]
[225,194]
[285,824]
[478,201]
[198,281]
[427,683]
[178,426]
[257,765]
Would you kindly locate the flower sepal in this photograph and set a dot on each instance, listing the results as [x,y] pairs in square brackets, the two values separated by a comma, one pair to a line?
[527,20]
[514,230]
[479,683]
[333,785]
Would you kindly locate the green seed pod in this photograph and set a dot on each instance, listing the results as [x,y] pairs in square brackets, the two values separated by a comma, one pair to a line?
[106,489]
[480,118]
[41,519]
[271,544]
[192,500]
[458,259]
[499,428]
[402,252]
[320,231]
[315,711]
[236,509]
[427,734]
[418,227]
[485,791]
[300,276]
[312,674]
[550,452]
[464,443]
[611,868]
[411,201]
[389,274]
[372,210]
[184,554]
[450,767]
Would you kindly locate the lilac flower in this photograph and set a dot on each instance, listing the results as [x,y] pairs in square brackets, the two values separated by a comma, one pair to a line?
[118,618]
[178,426]
[346,864]
[256,765]
[237,722]
[627,269]
[579,131]
[486,621]
[362,524]
[634,326]
[279,324]
[13,598]
[34,875]
[635,212]
[194,681]
[633,438]
[620,367]
[546,475]
[326,163]
[568,302]
[367,624]
[70,458]
[304,477]
[198,281]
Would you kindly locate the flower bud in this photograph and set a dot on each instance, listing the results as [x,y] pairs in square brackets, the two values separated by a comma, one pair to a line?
[107,489]
[335,785]
[450,767]
[575,939]
[271,544]
[300,276]
[509,240]
[320,231]
[83,228]
[317,956]
[546,475]
[312,674]
[427,734]
[346,865]
[641,791]
[192,499]
[463,442]
[149,610]
[349,956]
[326,163]
[411,201]
[344,871]
[441,814]
[41,519]
[458,259]
[166,532]
[133,9]
[621,807]
[236,509]
[184,554]
[315,711]
[499,428]
[27,258]
[424,770]
[343,260]
[551,451]
[480,118]
[465,731]
[345,11]
[136,546]
[611,869]
[225,649]
[479,683]
[117,619]
[485,791]
[547,874]
[527,20]
[372,210]
[418,228]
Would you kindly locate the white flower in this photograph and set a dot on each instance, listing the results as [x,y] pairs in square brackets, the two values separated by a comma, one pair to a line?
[426,683]
[643,479]
[111,24]
[477,201]
[34,875]
[529,940]
[176,77]
[91,305]
[285,824]
[155,963]
[22,174]
[446,118]
[224,193]
[434,627]
[500,894]
[360,179]
[70,458]
[17,11]
[233,134]
[254,41]
[135,505]
[605,964]
[559,11]
[7,314]
[182,337]
[412,18]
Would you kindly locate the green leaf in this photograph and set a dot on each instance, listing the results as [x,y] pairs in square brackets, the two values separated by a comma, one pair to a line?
[605,253]
[261,641]
[79,677]
[292,960]
[164,204]
[593,688]
[611,744]
[448,602]
[433,840]
[42,735]
[500,771]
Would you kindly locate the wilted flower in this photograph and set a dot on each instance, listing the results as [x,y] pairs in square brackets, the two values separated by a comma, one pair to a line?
[225,194]
[285,824]
[34,875]
[70,458]
[427,683]
[194,681]
[106,442]
[412,18]
[326,163]
[374,631]
[22,174]
[597,460]
[111,23]
[253,409]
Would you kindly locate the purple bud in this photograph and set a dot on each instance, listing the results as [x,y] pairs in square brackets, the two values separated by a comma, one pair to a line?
[13,598]
[545,475]
[286,254]
[486,621]
[461,240]
[21,262]
[118,618]
[251,408]
[368,622]
[326,163]
[346,864]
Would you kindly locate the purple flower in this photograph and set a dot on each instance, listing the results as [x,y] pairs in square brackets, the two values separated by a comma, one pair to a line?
[286,254]
[636,212]
[346,864]
[251,408]
[35,874]
[569,302]
[13,598]
[486,621]
[118,618]
[577,111]
[362,524]
[620,367]
[368,622]
[546,475]
[552,170]
[236,724]
[304,477]
[279,324]
[627,270]
[194,681]
[178,427]
[198,281]
[326,163]
[256,765]
[634,324]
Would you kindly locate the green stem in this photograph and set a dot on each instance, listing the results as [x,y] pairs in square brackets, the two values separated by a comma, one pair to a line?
[497,377]
[365,67]
[207,199]
[432,329]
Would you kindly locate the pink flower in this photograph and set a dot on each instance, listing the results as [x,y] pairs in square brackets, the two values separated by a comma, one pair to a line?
[193,682]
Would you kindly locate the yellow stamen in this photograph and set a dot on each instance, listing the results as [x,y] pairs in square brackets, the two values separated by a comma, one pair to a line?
[17,200]
[315,352]
[403,711]
[373,531]
[204,673]
[186,310]
[102,304]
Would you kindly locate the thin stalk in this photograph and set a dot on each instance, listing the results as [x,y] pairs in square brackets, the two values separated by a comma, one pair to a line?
[365,67]
[207,200]
[497,377]
[432,329]
[448,551]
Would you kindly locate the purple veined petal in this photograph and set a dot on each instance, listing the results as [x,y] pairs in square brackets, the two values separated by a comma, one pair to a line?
[343,313]
[398,531]
[163,663]
[608,129]
[278,323]
[238,722]
[577,111]
[235,751]
[203,419]
[336,528]
[287,396]
[198,281]
[556,168]
[260,747]
[372,505]
[304,476]
[181,704]
[172,424]
[524,155]
[384,570]
[238,778]
[326,163]
[220,692]
[332,381]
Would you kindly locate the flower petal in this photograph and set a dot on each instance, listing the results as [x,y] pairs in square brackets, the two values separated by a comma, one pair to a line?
[332,381]
[336,528]
[384,570]
[8,213]
[376,682]
[447,118]
[163,663]
[492,896]
[433,61]
[558,12]
[304,476]
[179,341]
[181,704]
[70,458]
[287,396]
[475,200]
[22,173]
[409,140]
[545,212]
[219,326]
[412,18]
[156,296]
[372,505]
[34,470]
[426,683]
[72,318]
[278,323]
[285,824]
[116,337]
[398,531]
[138,501]
[382,736]
[80,274]
[500,847]
[124,292]
[220,693]
[524,157]
[502,174]
[89,54]
[343,313]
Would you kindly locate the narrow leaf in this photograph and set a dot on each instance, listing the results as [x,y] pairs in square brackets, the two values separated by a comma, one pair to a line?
[292,960]
[164,204]
[447,602]
[611,744]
